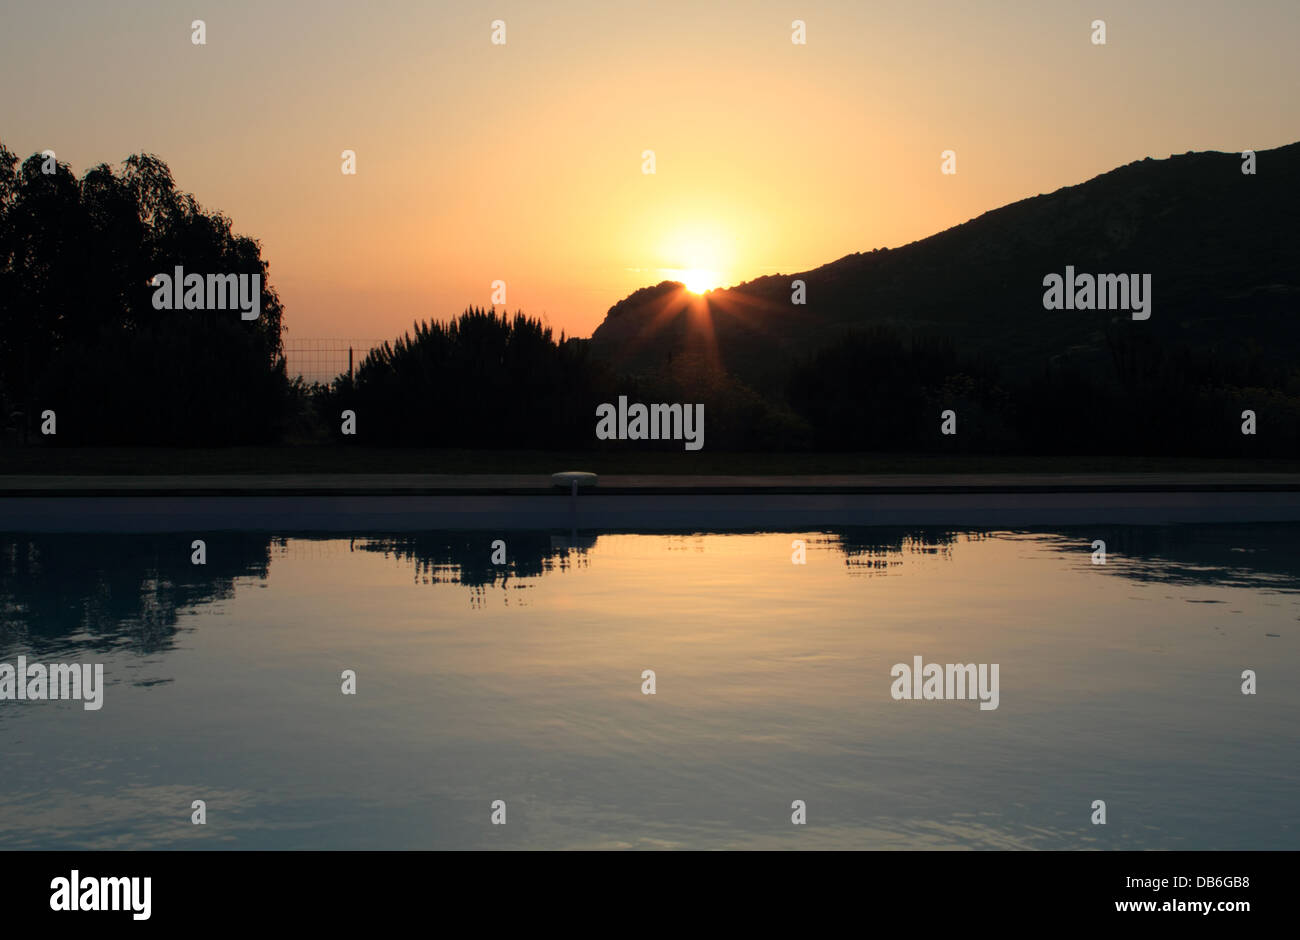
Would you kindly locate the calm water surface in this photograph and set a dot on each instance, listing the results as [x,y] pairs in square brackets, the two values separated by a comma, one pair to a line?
[523,683]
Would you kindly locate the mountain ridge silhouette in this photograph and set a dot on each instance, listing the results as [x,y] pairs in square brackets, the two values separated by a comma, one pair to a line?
[1223,249]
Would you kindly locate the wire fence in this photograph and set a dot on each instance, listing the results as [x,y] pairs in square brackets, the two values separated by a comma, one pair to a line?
[323,360]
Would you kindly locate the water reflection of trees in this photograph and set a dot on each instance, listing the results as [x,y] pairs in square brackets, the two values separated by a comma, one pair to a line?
[1254,555]
[467,558]
[875,550]
[101,592]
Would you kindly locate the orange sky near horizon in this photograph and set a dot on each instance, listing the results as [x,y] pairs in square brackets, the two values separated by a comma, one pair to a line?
[523,162]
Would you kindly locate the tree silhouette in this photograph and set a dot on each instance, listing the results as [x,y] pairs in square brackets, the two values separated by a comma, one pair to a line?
[78,330]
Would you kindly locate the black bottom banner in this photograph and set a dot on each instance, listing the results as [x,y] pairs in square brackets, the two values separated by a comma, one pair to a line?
[337,889]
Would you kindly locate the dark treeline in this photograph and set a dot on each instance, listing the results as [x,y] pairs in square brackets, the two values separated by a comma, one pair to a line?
[877,389]
[487,380]
[79,334]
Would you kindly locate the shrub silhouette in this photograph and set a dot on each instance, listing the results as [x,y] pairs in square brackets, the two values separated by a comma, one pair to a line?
[482,380]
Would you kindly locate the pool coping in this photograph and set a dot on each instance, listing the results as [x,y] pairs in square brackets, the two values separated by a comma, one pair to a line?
[405,484]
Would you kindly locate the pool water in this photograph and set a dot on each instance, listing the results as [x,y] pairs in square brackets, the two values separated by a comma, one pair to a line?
[523,682]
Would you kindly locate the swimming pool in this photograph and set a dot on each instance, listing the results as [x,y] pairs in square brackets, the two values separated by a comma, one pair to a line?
[524,682]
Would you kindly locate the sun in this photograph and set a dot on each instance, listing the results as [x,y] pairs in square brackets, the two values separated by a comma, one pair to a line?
[699,254]
[698,280]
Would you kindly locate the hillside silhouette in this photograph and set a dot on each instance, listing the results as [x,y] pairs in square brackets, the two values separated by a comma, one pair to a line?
[1223,249]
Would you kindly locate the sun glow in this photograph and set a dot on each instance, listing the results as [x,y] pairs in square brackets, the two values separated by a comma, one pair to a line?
[699,254]
[698,280]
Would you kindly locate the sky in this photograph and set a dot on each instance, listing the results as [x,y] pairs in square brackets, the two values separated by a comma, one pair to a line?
[523,162]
